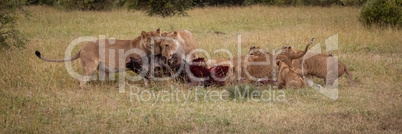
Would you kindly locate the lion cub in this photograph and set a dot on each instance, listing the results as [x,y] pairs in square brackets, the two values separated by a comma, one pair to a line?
[259,64]
[287,77]
[324,66]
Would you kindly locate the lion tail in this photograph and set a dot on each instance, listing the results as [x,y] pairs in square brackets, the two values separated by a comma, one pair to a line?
[76,56]
[350,77]
[299,55]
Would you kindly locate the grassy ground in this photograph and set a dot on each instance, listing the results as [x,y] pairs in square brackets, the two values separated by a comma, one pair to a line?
[40,97]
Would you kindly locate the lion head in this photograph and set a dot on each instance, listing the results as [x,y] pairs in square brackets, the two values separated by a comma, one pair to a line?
[289,53]
[280,64]
[289,50]
[151,41]
[169,44]
[257,54]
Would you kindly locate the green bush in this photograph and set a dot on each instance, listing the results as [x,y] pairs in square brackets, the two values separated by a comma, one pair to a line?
[131,4]
[353,2]
[9,36]
[321,2]
[382,13]
[162,8]
[167,8]
[171,7]
[202,3]
[95,5]
[41,2]
[297,2]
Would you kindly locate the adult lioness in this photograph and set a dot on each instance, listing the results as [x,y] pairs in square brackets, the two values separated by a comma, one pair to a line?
[319,65]
[178,42]
[287,77]
[96,56]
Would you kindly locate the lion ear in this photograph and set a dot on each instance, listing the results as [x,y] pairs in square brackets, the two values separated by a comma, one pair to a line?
[252,47]
[175,34]
[278,62]
[143,34]
[158,30]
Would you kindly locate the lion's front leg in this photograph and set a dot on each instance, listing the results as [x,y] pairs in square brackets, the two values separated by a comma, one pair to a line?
[281,83]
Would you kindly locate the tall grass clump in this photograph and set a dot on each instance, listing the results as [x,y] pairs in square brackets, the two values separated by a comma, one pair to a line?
[244,91]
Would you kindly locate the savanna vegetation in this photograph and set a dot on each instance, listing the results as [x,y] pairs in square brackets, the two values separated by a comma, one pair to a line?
[41,97]
[9,34]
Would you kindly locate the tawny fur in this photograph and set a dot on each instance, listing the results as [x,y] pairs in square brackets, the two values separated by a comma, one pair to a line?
[316,64]
[91,59]
[288,55]
[178,42]
[287,77]
[236,68]
[259,64]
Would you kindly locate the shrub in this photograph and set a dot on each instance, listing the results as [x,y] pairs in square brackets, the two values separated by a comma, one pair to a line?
[95,5]
[41,2]
[382,13]
[353,2]
[9,36]
[167,8]
[131,4]
[296,2]
[202,3]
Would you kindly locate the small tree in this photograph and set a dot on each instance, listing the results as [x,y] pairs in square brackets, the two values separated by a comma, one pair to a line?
[9,36]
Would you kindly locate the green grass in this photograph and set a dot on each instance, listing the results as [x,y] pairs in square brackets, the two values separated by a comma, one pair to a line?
[40,97]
